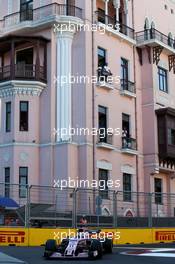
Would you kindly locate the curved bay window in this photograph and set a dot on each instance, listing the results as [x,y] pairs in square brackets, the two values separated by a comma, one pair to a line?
[23,58]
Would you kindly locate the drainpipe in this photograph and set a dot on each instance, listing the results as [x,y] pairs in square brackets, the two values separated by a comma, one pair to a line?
[136,127]
[93,104]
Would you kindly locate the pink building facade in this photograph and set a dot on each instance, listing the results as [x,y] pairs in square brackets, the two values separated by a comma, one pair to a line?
[138,47]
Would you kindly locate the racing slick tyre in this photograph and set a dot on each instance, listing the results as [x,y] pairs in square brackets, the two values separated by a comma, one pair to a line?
[108,245]
[50,247]
[95,250]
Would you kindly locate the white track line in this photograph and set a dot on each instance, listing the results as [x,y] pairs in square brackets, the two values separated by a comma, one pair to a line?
[125,247]
[154,252]
[160,255]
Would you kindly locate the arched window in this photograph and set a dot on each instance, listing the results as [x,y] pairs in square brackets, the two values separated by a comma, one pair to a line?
[170,40]
[152,30]
[146,29]
[153,25]
[146,26]
[126,6]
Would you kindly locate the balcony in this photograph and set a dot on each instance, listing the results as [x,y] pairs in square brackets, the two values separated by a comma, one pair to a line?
[167,166]
[23,58]
[105,141]
[129,146]
[26,72]
[104,78]
[23,65]
[127,88]
[153,38]
[42,15]
[115,27]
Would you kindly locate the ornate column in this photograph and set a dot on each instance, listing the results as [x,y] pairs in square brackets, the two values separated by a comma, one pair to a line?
[116,4]
[12,60]
[10,7]
[126,12]
[63,86]
[106,11]
[37,69]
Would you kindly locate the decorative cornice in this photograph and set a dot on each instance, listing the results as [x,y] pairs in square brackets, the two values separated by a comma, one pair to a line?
[41,23]
[12,88]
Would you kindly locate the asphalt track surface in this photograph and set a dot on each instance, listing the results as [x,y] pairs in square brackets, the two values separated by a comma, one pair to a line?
[33,255]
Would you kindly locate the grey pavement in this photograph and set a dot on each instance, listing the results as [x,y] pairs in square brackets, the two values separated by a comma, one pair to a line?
[33,255]
[5,259]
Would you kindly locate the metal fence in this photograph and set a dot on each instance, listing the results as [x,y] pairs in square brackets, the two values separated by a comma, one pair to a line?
[43,206]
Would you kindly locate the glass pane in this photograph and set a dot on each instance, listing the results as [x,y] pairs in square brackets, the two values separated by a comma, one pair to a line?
[23,171]
[24,106]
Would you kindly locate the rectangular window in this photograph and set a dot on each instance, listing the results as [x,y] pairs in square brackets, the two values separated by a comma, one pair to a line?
[26,10]
[8,117]
[127,187]
[171,136]
[126,125]
[23,181]
[124,69]
[24,115]
[102,123]
[103,177]
[124,74]
[101,57]
[70,11]
[158,190]
[101,15]
[163,82]
[7,182]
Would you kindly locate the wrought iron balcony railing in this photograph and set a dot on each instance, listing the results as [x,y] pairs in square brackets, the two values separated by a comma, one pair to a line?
[129,143]
[116,25]
[104,75]
[127,85]
[40,13]
[105,138]
[23,72]
[153,34]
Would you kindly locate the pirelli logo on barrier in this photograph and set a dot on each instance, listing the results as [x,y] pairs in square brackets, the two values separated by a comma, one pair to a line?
[165,236]
[12,237]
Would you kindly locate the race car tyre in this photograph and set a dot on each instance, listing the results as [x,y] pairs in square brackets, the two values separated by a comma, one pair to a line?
[95,251]
[108,245]
[51,245]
